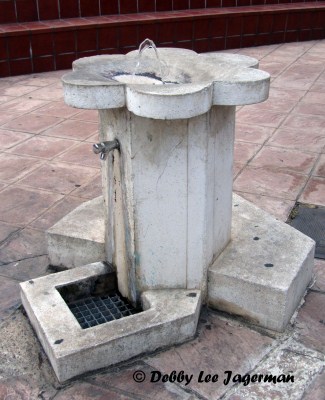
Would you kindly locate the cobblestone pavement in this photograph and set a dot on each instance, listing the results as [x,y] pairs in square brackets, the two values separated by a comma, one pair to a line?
[47,169]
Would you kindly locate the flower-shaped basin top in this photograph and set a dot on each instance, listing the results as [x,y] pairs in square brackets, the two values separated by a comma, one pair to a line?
[193,82]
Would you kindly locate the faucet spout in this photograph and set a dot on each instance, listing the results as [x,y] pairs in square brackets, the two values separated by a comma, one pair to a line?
[103,148]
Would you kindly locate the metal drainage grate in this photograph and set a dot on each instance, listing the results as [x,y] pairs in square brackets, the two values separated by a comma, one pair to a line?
[310,220]
[92,311]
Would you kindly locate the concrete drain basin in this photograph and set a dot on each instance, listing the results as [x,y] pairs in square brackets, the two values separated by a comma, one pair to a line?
[95,301]
[96,310]
[168,317]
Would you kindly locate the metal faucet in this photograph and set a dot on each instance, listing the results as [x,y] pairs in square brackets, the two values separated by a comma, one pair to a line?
[103,148]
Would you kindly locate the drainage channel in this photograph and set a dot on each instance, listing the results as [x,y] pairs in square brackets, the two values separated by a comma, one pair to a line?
[310,220]
[96,310]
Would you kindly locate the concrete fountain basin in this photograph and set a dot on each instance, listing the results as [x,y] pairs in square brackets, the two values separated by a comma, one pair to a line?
[195,82]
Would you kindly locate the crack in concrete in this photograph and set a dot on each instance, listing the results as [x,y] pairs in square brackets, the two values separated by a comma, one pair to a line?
[10,236]
[317,291]
[170,155]
[301,353]
[22,259]
[115,389]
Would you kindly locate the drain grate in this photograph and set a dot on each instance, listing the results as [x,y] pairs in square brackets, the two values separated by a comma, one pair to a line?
[310,220]
[96,310]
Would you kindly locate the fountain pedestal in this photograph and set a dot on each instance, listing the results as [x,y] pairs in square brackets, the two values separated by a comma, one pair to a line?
[167,189]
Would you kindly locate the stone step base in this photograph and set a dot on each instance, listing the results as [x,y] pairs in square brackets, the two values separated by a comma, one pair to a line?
[263,273]
[79,237]
[49,45]
[241,281]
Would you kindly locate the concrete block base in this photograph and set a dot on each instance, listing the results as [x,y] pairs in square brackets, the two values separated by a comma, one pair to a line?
[79,237]
[263,272]
[169,317]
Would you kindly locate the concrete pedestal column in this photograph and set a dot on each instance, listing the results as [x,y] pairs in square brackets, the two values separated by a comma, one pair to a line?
[167,197]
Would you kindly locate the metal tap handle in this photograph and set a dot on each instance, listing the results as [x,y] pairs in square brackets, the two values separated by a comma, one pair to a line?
[103,156]
[98,148]
[103,148]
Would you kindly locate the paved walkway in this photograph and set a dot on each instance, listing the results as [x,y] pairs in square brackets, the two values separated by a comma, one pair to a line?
[47,169]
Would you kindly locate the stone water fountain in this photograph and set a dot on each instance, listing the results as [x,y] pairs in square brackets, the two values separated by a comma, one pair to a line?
[167,123]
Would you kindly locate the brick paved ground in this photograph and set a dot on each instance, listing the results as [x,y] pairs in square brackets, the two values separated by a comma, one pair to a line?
[47,169]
